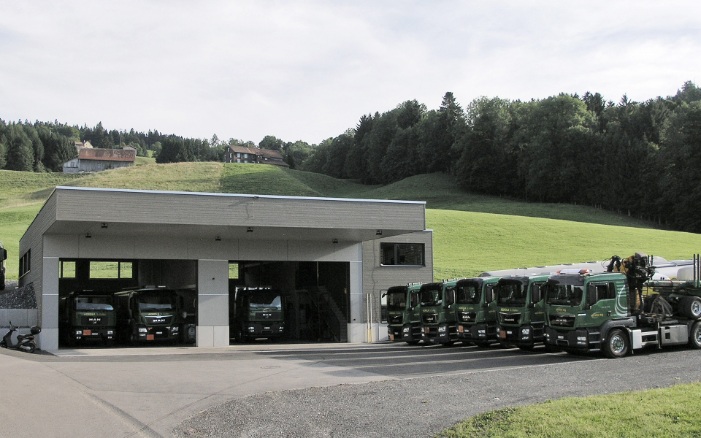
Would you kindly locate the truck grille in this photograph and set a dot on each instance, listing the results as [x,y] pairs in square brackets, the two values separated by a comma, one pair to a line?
[510,318]
[273,316]
[430,318]
[395,319]
[467,316]
[561,321]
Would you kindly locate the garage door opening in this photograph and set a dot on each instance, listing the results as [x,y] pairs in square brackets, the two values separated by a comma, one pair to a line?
[104,303]
[288,301]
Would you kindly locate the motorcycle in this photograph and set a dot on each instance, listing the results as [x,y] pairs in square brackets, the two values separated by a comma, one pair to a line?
[24,342]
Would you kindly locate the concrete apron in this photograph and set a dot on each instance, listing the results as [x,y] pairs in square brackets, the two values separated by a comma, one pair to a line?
[143,391]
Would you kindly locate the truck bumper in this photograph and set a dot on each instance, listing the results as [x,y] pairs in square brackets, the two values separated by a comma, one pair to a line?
[438,334]
[521,336]
[573,340]
[158,333]
[270,330]
[405,333]
[478,333]
[99,334]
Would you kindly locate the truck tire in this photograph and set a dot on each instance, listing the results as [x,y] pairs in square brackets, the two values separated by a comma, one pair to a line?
[617,344]
[695,335]
[690,307]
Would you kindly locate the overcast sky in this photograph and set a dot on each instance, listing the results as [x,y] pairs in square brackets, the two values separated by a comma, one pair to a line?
[308,70]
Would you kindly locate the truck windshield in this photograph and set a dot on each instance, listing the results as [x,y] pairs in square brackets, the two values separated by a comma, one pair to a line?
[511,294]
[155,303]
[396,300]
[565,294]
[265,300]
[431,297]
[93,303]
[468,293]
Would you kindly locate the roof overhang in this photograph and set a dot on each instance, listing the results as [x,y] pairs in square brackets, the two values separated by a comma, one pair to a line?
[115,212]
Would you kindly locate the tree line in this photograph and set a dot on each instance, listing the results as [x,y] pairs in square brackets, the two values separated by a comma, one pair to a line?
[638,158]
[45,146]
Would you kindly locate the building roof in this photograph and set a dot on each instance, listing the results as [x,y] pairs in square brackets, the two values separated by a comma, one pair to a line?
[124,155]
[268,153]
[80,210]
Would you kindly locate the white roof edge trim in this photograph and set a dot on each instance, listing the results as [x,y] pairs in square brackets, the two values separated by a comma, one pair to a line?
[231,195]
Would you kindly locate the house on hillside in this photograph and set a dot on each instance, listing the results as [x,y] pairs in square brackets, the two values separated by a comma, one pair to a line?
[243,154]
[97,160]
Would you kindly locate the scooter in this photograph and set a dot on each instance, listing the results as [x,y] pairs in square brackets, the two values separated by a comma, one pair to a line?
[24,342]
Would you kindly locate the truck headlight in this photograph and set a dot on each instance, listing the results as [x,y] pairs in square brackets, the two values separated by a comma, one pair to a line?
[526,331]
[442,329]
[405,330]
[251,329]
[143,330]
[175,329]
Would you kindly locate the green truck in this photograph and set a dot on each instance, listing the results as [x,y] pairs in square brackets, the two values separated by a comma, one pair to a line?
[520,310]
[150,314]
[404,313]
[475,307]
[609,312]
[257,313]
[87,317]
[438,321]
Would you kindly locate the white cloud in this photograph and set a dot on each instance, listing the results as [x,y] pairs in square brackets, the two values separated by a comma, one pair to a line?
[308,70]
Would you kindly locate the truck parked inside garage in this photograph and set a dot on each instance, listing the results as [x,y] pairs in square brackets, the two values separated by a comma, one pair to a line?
[404,313]
[520,313]
[475,308]
[3,257]
[438,321]
[258,312]
[87,316]
[149,314]
[611,313]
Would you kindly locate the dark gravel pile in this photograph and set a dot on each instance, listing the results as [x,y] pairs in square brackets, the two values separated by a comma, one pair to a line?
[14,297]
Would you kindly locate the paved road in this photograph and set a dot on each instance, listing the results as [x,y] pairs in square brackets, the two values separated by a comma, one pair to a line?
[214,392]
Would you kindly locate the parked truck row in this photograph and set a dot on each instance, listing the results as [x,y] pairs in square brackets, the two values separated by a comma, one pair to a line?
[611,312]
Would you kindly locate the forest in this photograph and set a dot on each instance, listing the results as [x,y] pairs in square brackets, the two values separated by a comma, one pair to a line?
[642,159]
[639,159]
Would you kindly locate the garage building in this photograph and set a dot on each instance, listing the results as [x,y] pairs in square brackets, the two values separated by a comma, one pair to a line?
[333,257]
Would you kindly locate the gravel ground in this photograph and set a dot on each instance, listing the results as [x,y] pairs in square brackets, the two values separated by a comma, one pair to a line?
[14,297]
[423,406]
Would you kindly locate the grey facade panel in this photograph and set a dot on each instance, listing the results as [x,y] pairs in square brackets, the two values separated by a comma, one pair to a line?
[232,210]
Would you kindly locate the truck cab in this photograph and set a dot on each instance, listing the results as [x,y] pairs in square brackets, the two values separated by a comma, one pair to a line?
[598,313]
[404,313]
[87,316]
[475,308]
[438,321]
[149,314]
[258,312]
[520,314]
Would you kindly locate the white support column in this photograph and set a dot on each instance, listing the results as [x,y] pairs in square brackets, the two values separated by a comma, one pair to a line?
[357,326]
[48,339]
[212,303]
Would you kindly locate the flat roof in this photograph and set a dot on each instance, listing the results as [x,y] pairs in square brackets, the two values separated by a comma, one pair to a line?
[80,210]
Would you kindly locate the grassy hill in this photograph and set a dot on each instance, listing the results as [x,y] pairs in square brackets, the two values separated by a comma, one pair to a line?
[472,233]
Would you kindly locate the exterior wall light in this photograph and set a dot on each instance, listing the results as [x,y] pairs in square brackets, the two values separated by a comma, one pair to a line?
[249,229]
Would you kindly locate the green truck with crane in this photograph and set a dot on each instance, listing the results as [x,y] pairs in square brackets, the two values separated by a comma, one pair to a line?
[404,313]
[622,310]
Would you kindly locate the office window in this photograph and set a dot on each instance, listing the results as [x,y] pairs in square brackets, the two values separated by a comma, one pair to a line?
[402,254]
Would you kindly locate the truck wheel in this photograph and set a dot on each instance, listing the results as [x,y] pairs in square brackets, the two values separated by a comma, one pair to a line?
[695,335]
[617,344]
[690,307]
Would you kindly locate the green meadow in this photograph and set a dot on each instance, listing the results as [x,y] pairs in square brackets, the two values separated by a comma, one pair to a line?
[471,233]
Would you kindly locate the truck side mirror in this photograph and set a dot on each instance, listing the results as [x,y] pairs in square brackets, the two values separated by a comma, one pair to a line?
[4,254]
